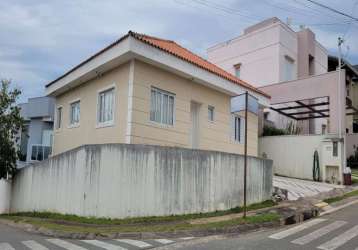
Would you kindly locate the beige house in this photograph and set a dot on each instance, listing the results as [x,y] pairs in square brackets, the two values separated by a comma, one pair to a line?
[146,90]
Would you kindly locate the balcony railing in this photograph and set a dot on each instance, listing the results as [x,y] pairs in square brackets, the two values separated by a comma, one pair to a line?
[40,152]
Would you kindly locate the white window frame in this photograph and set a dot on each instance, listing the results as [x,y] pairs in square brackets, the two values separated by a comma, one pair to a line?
[169,94]
[74,124]
[211,109]
[240,138]
[110,123]
[58,125]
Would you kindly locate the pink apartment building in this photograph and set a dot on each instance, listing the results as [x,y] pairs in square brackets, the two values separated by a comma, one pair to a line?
[271,52]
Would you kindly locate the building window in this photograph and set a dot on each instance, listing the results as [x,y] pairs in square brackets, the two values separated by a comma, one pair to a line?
[238,128]
[237,70]
[59,117]
[162,106]
[335,149]
[105,114]
[75,113]
[289,69]
[211,110]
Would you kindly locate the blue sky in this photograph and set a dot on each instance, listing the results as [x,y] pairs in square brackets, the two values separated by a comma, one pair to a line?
[40,40]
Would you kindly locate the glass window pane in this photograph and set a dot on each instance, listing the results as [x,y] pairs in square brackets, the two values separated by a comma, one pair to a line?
[161,107]
[106,106]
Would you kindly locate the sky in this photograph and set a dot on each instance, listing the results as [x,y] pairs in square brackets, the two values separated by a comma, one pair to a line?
[41,40]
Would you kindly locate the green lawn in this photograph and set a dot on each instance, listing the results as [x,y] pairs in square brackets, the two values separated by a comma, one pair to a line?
[73,223]
[149,227]
[141,220]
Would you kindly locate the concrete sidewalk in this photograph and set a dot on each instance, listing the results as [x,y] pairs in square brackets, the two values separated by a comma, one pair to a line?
[302,188]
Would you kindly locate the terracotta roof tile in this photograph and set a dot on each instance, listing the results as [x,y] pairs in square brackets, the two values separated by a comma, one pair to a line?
[184,54]
[176,50]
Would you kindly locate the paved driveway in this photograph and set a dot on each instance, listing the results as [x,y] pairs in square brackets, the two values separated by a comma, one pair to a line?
[301,188]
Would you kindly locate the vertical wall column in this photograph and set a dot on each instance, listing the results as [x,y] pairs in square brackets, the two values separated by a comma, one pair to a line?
[130,102]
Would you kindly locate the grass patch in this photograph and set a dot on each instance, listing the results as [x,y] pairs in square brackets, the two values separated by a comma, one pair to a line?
[73,223]
[339,198]
[142,220]
[182,226]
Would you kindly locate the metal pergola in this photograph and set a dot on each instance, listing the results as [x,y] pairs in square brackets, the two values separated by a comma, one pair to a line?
[304,109]
[310,108]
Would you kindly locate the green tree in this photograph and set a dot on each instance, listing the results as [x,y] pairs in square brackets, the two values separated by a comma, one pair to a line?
[10,124]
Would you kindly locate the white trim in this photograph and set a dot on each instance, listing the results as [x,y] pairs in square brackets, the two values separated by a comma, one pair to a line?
[107,123]
[131,48]
[130,102]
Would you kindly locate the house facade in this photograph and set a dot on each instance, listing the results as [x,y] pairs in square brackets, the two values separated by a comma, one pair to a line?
[281,55]
[36,136]
[147,90]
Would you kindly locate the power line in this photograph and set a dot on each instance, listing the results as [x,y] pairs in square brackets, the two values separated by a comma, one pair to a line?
[331,9]
[350,24]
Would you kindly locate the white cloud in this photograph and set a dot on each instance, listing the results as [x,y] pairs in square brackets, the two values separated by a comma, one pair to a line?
[42,39]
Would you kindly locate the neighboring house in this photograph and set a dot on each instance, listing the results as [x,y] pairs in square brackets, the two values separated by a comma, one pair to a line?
[147,90]
[271,52]
[351,77]
[36,136]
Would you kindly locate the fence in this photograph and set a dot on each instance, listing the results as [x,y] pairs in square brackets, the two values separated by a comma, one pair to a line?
[123,180]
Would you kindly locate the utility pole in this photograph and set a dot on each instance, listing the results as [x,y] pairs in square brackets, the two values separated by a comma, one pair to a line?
[340,42]
[245,154]
[340,103]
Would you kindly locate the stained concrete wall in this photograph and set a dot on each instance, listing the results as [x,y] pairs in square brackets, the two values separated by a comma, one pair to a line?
[5,193]
[121,180]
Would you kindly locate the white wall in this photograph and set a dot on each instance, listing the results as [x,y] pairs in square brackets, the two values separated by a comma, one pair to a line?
[5,194]
[293,155]
[352,140]
[121,180]
[262,49]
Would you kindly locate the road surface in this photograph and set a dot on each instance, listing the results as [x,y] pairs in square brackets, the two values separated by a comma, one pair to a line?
[335,231]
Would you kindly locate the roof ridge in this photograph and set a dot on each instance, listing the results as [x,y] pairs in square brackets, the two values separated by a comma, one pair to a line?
[136,34]
[133,33]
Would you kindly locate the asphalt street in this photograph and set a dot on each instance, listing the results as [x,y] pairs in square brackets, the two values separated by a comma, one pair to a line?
[16,239]
[335,231]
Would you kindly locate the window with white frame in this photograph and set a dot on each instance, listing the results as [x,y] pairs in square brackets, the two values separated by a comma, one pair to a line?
[162,106]
[106,107]
[58,117]
[238,126]
[211,110]
[75,113]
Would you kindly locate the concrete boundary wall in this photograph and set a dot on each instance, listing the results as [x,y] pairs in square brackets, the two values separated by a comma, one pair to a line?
[126,180]
[5,193]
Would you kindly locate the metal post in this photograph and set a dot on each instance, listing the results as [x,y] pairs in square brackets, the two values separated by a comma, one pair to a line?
[341,102]
[245,154]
